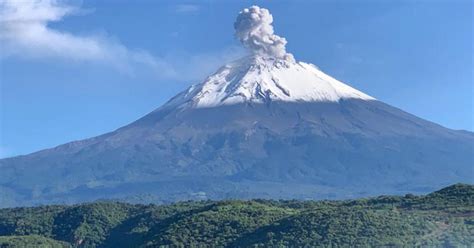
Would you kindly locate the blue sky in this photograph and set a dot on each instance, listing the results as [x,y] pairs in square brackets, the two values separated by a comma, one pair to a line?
[86,68]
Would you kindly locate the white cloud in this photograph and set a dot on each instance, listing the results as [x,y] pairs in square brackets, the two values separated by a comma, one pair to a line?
[24,32]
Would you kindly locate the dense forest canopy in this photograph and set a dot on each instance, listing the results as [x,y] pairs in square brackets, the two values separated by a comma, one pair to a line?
[443,218]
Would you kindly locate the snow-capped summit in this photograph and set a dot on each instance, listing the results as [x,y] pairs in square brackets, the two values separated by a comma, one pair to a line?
[263,79]
[269,74]
[264,126]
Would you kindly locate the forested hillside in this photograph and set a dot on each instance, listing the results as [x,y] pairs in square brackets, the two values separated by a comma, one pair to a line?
[441,219]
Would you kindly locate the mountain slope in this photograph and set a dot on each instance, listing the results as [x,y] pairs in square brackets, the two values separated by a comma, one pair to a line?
[260,127]
[263,126]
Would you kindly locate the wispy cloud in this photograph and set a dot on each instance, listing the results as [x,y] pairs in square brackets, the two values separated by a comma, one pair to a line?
[187,8]
[24,31]
[196,66]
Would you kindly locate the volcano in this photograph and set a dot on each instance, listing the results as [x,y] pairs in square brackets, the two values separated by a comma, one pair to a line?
[264,126]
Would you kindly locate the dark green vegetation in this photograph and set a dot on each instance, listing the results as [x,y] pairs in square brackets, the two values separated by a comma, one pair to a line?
[441,219]
[31,241]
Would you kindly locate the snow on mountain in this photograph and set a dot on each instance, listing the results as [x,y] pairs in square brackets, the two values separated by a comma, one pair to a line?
[270,73]
[261,79]
[264,126]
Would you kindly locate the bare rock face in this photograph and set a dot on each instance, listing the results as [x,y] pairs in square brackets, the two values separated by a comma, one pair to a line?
[260,127]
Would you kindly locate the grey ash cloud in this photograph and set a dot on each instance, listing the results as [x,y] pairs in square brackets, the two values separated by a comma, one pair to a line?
[254,29]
